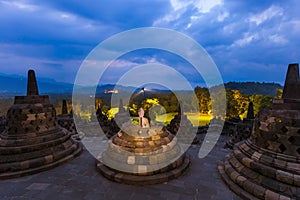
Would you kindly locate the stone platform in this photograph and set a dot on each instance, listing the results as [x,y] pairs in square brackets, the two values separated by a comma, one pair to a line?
[142,156]
[78,179]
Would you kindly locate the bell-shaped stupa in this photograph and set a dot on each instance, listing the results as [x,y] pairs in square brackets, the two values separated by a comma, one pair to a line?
[142,154]
[182,127]
[267,165]
[32,141]
[243,129]
[66,120]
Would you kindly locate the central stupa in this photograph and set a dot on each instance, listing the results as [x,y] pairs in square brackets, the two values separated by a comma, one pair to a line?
[141,155]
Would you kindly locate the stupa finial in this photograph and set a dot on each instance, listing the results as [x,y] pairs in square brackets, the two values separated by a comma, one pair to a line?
[121,107]
[250,112]
[64,109]
[32,88]
[291,88]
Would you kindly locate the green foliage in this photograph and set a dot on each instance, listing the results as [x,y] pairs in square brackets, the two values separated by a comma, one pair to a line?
[260,102]
[217,102]
[279,93]
[203,99]
[133,109]
[147,104]
[110,114]
[236,104]
[251,88]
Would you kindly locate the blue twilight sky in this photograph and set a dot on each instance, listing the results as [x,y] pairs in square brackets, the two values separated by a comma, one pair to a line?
[248,40]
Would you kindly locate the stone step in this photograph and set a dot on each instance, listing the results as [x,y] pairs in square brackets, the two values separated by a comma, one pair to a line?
[232,185]
[143,179]
[5,150]
[4,135]
[34,140]
[249,185]
[137,169]
[37,162]
[35,154]
[153,158]
[264,181]
[46,166]
[277,160]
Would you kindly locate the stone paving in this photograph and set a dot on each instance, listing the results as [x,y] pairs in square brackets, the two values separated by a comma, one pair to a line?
[79,179]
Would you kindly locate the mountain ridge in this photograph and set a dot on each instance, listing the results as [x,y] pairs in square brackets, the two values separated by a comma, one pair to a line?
[14,85]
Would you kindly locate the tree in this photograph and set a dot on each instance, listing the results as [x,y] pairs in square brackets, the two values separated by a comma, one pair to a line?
[279,93]
[203,99]
[218,103]
[147,104]
[260,102]
[236,104]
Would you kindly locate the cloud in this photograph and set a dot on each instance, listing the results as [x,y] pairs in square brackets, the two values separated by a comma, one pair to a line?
[246,39]
[273,11]
[205,6]
[223,16]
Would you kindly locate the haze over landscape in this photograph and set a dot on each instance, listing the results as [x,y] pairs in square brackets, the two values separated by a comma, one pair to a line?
[249,41]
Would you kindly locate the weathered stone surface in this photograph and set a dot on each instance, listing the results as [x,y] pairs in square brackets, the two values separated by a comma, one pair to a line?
[64,109]
[32,88]
[240,130]
[292,83]
[66,120]
[2,123]
[270,157]
[142,155]
[250,112]
[32,141]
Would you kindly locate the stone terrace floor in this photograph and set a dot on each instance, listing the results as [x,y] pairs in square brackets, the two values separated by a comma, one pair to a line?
[78,179]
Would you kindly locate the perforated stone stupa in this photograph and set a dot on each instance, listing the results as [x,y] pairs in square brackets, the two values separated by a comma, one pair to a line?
[267,165]
[142,155]
[65,119]
[182,127]
[243,129]
[32,141]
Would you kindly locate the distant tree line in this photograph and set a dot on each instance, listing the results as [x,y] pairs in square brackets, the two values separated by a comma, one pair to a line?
[237,101]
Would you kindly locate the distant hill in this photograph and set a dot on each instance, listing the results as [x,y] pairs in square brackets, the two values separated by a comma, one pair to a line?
[250,88]
[16,85]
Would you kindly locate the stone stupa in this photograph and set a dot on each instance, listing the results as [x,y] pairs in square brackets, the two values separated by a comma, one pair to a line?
[65,119]
[243,129]
[182,127]
[143,155]
[32,141]
[267,165]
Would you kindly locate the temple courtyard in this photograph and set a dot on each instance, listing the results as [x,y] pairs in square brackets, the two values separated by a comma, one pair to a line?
[78,179]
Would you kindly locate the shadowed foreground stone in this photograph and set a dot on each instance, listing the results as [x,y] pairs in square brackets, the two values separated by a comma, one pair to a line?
[267,165]
[32,141]
[142,156]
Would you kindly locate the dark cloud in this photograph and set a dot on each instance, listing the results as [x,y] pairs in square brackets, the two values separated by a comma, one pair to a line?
[248,40]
